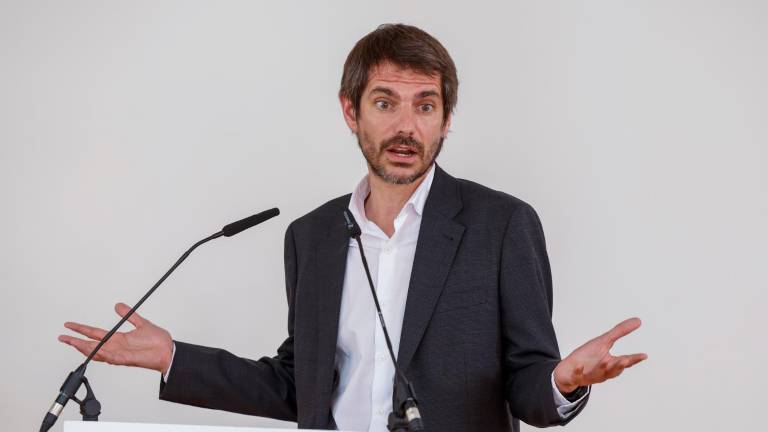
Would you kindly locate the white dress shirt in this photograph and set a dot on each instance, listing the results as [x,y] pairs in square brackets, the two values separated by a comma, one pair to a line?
[363,399]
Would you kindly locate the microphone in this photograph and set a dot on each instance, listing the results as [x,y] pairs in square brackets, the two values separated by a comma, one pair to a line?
[244,224]
[89,406]
[406,415]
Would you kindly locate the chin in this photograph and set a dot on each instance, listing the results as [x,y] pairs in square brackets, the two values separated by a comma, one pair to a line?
[401,175]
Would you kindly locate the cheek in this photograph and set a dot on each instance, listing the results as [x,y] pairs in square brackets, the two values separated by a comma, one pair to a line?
[368,141]
[378,122]
[375,132]
[430,129]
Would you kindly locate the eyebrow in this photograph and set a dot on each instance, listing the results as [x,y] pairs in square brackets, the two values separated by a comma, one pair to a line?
[384,90]
[427,93]
[387,91]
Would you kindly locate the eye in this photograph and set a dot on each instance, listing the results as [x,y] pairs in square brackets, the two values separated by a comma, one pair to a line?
[426,108]
[382,104]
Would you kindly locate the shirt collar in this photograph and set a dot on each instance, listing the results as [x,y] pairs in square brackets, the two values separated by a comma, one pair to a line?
[417,200]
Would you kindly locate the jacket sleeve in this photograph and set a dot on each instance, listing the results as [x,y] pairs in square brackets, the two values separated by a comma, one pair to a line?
[530,345]
[214,378]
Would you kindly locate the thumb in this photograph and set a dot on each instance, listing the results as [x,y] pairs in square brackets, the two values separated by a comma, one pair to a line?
[137,320]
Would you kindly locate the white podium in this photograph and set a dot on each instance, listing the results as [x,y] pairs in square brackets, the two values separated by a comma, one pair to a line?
[80,426]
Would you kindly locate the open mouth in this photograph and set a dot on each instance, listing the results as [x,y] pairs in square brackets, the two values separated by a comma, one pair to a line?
[402,152]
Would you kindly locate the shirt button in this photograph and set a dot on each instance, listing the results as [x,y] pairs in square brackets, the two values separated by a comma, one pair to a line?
[381,411]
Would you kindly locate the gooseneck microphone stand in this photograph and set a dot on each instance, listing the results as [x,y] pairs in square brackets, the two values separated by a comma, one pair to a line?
[90,408]
[405,416]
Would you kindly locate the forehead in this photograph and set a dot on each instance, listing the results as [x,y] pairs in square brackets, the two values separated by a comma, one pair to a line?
[404,80]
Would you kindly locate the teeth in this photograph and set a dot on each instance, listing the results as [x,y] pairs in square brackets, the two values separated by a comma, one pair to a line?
[402,152]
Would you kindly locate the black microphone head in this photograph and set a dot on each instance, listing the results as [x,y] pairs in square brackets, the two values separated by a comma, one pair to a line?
[244,224]
[352,226]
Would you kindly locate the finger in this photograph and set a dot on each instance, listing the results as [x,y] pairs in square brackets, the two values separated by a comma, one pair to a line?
[632,359]
[617,365]
[137,320]
[611,364]
[85,347]
[86,330]
[622,329]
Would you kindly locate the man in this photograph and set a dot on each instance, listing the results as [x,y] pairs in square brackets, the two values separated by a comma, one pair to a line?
[461,270]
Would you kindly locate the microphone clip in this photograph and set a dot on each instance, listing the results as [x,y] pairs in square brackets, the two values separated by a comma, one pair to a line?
[90,407]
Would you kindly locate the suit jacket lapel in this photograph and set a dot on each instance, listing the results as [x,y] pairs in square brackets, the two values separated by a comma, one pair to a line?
[331,258]
[439,237]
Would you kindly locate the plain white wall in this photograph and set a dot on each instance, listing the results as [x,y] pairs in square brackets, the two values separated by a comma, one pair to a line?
[128,130]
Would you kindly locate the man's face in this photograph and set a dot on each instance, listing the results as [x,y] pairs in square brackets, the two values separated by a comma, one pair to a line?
[400,126]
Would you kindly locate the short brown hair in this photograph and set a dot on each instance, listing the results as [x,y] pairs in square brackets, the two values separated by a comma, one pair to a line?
[405,46]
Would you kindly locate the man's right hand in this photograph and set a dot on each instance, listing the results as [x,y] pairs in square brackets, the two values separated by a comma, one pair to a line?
[147,346]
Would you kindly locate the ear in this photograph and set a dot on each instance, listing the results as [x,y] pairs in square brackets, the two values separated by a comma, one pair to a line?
[348,109]
[447,125]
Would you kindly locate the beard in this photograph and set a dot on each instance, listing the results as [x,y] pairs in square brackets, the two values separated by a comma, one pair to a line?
[375,156]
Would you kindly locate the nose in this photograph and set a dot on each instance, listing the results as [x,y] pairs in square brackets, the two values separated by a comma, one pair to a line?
[406,122]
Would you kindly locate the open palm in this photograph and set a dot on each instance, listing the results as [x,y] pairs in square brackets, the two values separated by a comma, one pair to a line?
[593,363]
[147,345]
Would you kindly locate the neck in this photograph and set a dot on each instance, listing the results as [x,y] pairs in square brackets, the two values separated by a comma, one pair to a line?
[386,200]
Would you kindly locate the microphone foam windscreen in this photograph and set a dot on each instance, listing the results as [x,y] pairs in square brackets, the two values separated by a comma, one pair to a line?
[244,224]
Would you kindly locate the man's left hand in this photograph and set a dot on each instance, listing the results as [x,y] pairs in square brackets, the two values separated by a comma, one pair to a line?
[593,363]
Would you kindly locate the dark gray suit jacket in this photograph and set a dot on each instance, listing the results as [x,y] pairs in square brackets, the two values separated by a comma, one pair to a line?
[477,339]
